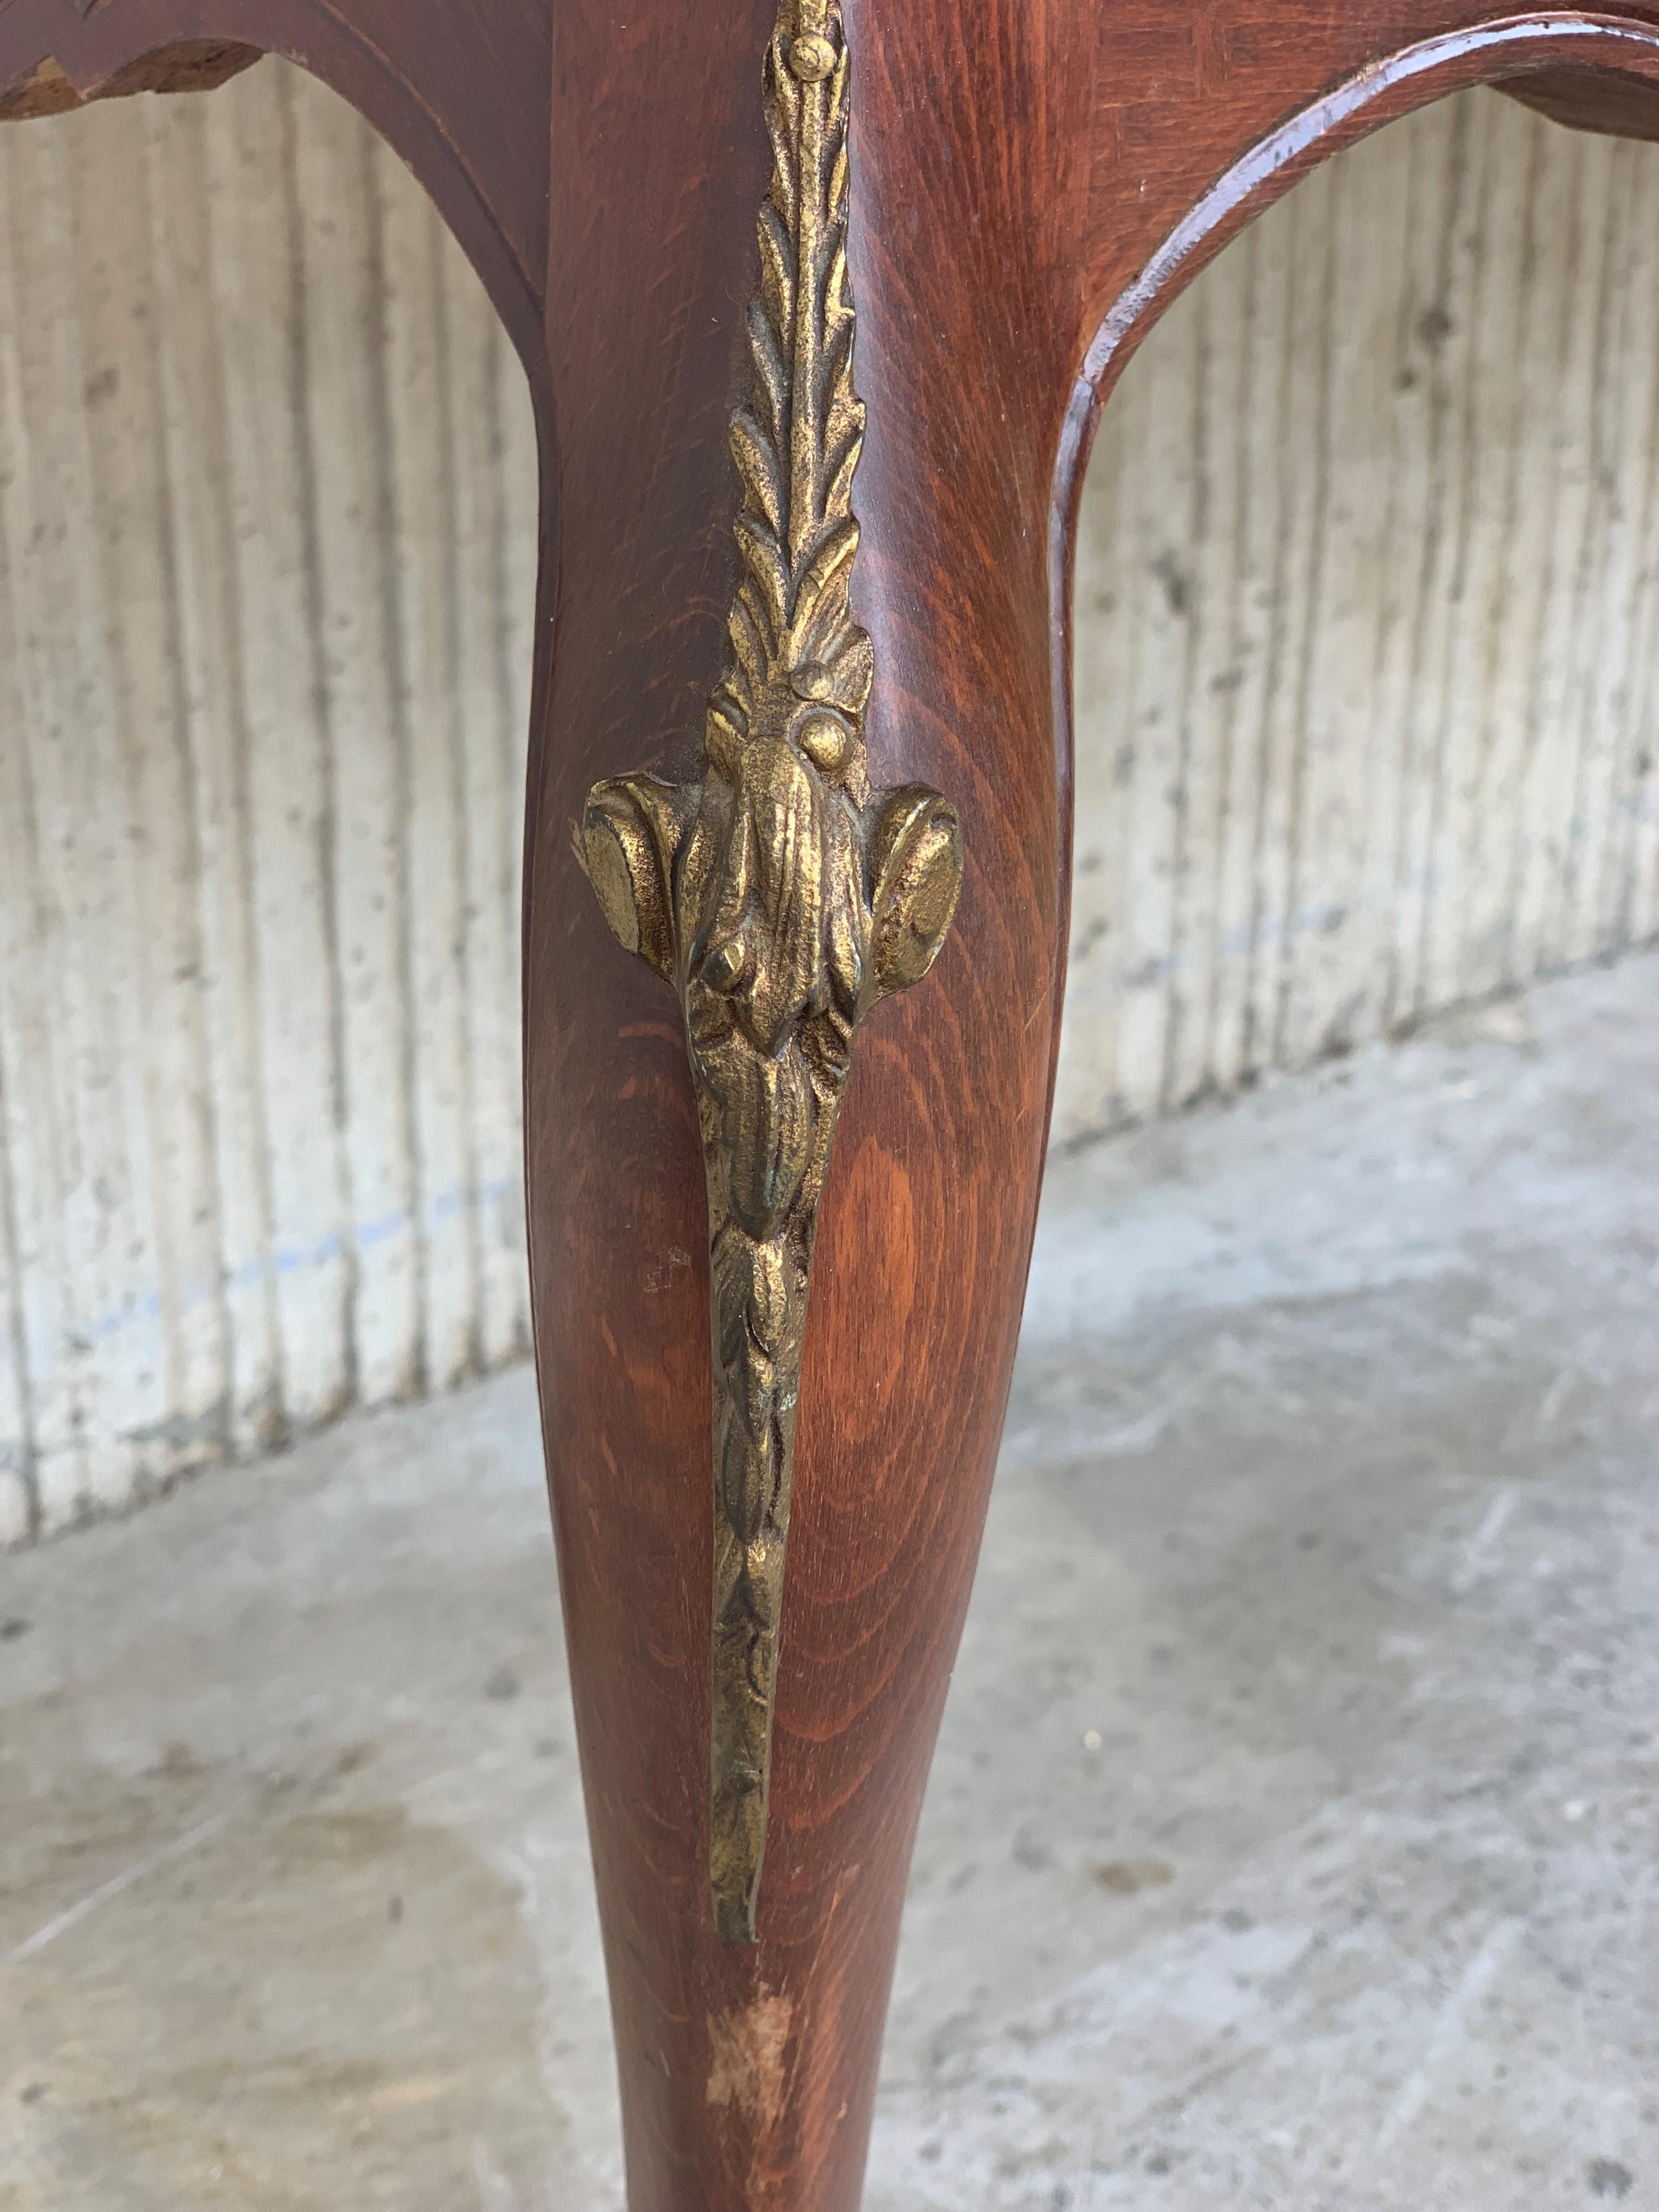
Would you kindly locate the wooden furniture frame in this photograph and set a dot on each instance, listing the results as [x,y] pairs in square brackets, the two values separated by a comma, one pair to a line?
[1033,181]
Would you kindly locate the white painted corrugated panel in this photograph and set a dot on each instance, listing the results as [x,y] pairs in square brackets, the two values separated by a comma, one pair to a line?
[267,537]
[1365,651]
[1366,617]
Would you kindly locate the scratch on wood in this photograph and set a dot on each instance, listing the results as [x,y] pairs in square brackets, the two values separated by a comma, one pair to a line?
[746,2068]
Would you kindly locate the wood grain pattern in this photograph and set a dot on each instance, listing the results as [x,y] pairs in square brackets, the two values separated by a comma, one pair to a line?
[1034,185]
[1037,179]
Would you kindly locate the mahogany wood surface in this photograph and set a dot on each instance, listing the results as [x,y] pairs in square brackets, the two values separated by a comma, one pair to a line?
[1019,165]
[1033,181]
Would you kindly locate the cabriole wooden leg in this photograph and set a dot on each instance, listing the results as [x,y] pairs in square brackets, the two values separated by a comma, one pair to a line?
[748,2068]
[785,700]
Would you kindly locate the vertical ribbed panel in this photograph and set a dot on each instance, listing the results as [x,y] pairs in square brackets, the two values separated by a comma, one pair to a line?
[1366,615]
[267,541]
[1367,641]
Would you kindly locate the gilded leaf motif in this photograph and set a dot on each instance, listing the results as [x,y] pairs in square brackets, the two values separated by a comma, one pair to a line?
[781,899]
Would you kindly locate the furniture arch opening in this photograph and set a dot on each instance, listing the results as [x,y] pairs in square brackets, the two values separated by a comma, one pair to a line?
[469,115]
[269,523]
[1364,618]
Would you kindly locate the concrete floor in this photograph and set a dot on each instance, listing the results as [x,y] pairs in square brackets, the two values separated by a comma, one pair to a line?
[1292,1841]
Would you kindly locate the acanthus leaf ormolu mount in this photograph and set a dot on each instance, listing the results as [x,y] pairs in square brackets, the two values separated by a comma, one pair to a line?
[780,897]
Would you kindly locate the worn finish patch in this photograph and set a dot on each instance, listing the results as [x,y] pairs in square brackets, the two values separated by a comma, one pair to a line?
[747,2068]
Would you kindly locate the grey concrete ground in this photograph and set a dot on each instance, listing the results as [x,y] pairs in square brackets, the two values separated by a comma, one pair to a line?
[1293,1836]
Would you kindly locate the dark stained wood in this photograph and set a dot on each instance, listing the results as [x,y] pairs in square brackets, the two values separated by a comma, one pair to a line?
[1592,99]
[1034,181]
[1024,171]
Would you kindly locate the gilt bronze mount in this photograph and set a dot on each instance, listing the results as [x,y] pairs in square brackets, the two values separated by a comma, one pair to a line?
[779,895]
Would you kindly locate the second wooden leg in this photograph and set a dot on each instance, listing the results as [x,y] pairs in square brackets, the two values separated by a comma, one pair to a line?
[749,2070]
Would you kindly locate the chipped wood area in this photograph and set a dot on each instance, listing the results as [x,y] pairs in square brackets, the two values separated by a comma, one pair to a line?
[747,2070]
[194,65]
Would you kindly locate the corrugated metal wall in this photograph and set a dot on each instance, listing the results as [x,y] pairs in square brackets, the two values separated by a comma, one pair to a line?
[1365,657]
[267,545]
[1366,615]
